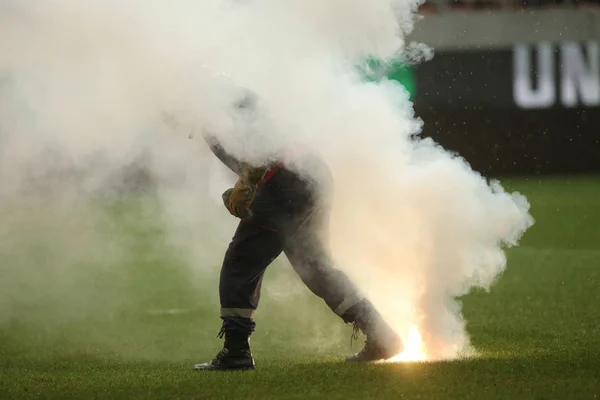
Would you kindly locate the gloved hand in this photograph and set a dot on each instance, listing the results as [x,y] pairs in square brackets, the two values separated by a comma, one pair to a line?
[238,199]
[252,175]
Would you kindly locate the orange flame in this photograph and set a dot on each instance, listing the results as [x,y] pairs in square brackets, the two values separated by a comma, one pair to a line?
[413,349]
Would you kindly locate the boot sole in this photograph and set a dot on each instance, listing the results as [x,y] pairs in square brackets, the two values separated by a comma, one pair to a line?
[354,359]
[363,361]
[200,367]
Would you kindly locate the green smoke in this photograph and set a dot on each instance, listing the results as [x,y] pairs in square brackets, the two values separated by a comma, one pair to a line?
[374,70]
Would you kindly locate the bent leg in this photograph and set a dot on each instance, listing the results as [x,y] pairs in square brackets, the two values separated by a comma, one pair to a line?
[312,262]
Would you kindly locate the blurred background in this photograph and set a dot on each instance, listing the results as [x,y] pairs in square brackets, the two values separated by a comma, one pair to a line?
[514,86]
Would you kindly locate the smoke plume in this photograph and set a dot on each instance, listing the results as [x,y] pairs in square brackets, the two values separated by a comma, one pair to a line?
[99,96]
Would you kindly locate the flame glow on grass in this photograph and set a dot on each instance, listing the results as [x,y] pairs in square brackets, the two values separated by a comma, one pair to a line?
[414,349]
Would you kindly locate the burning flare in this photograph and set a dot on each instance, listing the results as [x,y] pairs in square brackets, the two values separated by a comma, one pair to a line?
[413,350]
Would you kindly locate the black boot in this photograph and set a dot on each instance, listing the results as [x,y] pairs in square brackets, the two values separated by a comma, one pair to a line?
[236,354]
[382,342]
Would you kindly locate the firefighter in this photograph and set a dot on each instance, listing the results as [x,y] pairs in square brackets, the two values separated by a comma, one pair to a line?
[281,211]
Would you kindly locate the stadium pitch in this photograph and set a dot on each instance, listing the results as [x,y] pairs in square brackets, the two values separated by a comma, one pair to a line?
[145,323]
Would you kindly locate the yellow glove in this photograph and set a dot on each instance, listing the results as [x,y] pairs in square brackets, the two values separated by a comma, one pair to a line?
[238,199]
[252,175]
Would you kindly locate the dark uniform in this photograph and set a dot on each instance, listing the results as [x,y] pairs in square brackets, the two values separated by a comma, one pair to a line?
[281,211]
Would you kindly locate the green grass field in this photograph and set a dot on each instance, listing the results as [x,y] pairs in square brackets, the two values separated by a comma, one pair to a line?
[538,330]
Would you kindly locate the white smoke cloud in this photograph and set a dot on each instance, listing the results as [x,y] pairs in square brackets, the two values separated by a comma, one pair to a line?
[91,81]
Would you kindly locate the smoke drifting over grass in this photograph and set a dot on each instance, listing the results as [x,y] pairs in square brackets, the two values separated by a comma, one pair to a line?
[86,88]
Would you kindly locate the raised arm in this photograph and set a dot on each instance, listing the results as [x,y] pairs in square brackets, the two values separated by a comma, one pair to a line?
[231,162]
